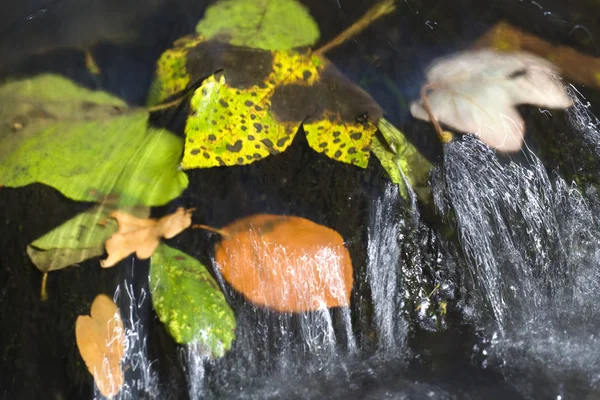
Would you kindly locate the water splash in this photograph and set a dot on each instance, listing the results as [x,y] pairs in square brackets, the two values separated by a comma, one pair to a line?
[532,245]
[194,360]
[140,376]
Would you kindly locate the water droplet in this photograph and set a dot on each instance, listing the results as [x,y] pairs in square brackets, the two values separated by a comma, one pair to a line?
[40,12]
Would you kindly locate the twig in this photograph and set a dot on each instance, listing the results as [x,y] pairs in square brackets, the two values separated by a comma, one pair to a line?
[378,10]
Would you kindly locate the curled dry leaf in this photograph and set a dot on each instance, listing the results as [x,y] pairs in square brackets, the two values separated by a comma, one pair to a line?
[477,91]
[288,264]
[101,340]
[142,235]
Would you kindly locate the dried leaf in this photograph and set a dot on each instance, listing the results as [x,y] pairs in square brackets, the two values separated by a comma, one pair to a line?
[189,302]
[142,236]
[261,24]
[477,91]
[288,264]
[80,238]
[574,65]
[101,343]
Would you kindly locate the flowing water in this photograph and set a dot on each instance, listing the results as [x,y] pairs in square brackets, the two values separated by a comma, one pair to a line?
[519,271]
[532,245]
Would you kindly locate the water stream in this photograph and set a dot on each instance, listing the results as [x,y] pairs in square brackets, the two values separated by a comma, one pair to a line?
[532,245]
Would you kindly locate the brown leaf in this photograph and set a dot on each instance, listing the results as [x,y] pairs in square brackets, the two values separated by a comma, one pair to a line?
[289,264]
[101,340]
[142,235]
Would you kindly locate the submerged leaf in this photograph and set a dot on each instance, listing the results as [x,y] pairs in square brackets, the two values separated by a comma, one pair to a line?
[80,238]
[289,264]
[244,114]
[142,235]
[401,160]
[84,143]
[189,302]
[261,24]
[101,343]
[477,91]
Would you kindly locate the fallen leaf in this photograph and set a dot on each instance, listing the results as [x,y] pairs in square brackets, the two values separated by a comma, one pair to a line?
[87,144]
[477,91]
[402,160]
[260,24]
[574,65]
[80,238]
[288,264]
[189,301]
[101,342]
[142,235]
[244,114]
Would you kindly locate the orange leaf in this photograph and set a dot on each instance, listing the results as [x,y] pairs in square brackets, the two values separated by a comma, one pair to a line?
[101,340]
[289,264]
[142,235]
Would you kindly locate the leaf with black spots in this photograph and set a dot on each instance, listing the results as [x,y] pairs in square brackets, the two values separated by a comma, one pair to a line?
[253,109]
[188,300]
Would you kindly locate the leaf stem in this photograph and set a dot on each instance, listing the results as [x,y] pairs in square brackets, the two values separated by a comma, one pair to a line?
[43,292]
[211,229]
[378,10]
[443,135]
[169,104]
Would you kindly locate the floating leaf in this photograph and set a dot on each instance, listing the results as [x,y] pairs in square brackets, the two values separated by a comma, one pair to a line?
[101,343]
[401,160]
[574,65]
[189,302]
[477,91]
[289,264]
[142,235]
[256,105]
[261,24]
[78,239]
[84,143]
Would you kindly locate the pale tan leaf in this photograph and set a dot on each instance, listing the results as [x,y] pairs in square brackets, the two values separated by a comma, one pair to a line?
[476,92]
[142,235]
[101,343]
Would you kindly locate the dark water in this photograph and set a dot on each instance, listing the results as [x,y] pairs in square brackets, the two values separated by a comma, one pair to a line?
[519,270]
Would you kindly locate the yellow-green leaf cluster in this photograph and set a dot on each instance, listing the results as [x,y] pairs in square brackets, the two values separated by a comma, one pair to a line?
[238,118]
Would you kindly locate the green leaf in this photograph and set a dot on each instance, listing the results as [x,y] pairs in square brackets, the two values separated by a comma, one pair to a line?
[80,238]
[260,24]
[189,302]
[401,160]
[245,114]
[86,144]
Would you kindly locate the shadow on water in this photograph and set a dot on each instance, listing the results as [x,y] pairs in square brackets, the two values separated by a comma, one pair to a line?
[514,315]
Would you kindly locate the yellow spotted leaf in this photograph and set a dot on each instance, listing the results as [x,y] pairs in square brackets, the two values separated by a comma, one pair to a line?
[253,108]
